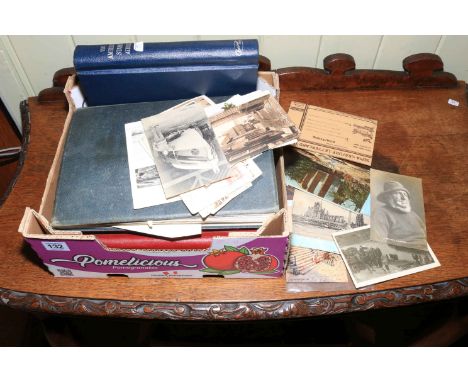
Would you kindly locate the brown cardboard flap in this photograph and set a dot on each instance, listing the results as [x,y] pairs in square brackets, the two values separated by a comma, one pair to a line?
[48,198]
[34,225]
[275,225]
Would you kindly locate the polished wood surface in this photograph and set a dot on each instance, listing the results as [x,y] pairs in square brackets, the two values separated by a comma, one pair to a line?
[9,137]
[419,134]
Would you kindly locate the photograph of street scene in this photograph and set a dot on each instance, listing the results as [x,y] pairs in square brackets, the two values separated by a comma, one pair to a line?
[370,262]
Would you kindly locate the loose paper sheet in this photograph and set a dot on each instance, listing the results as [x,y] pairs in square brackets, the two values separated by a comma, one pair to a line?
[334,133]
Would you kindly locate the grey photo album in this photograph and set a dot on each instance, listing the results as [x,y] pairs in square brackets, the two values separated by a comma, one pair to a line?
[94,190]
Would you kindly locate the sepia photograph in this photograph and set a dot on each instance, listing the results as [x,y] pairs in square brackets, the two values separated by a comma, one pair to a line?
[185,150]
[315,217]
[397,211]
[249,129]
[370,262]
[330,178]
[144,179]
[313,265]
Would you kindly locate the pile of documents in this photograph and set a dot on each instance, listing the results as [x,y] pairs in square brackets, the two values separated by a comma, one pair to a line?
[348,219]
[203,153]
[172,168]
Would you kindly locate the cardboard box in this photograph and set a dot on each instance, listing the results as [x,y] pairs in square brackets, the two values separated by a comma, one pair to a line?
[260,254]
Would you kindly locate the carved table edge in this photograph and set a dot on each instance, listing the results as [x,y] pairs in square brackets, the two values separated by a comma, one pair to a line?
[236,311]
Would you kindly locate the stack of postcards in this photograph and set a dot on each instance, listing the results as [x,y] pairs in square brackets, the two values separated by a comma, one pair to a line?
[349,219]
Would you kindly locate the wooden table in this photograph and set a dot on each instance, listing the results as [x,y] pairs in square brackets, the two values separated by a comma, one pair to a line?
[419,134]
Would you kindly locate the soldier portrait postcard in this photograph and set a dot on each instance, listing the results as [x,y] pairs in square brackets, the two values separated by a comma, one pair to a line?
[370,262]
[397,210]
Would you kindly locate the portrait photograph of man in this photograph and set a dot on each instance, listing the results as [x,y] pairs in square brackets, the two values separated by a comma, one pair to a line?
[397,210]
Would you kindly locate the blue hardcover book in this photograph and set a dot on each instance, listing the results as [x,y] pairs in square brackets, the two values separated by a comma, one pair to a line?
[93,187]
[141,72]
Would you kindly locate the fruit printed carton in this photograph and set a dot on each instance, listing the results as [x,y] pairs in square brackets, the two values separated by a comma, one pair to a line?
[233,257]
[234,254]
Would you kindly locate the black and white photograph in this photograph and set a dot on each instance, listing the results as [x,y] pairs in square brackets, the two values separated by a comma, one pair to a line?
[315,217]
[253,127]
[397,210]
[185,150]
[147,177]
[370,262]
[146,186]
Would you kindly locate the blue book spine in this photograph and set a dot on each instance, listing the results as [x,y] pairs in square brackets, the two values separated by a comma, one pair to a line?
[128,73]
[167,54]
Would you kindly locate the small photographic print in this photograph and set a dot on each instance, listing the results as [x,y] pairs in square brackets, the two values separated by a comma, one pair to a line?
[370,262]
[315,217]
[253,127]
[330,178]
[144,179]
[185,150]
[147,177]
[397,210]
[313,265]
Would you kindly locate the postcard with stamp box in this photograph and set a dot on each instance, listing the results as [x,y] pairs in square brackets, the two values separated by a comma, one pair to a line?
[334,133]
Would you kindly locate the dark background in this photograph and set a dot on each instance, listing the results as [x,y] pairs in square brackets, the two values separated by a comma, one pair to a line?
[429,324]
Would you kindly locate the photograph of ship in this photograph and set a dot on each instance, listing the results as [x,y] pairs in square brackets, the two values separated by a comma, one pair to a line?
[251,128]
[330,178]
[370,262]
[313,265]
[315,217]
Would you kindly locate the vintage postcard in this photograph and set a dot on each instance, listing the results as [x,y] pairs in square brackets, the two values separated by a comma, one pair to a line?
[330,178]
[370,262]
[316,266]
[246,130]
[185,150]
[144,179]
[208,200]
[318,218]
[334,133]
[397,211]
